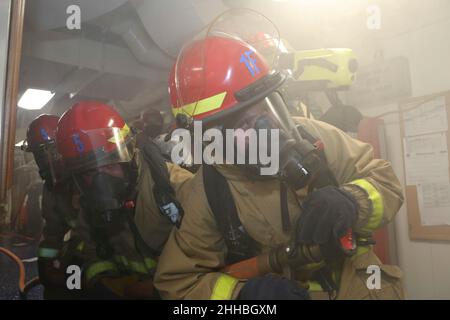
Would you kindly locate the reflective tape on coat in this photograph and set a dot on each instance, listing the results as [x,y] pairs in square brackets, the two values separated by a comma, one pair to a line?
[47,253]
[377,204]
[224,287]
[100,267]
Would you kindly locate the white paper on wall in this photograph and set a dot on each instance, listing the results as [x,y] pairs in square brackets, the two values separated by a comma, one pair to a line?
[426,159]
[434,203]
[429,117]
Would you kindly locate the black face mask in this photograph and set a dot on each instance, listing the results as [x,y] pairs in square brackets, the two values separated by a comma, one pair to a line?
[298,160]
[42,160]
[104,197]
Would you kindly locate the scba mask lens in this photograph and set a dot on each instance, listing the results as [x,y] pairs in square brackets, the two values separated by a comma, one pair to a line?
[298,159]
[104,192]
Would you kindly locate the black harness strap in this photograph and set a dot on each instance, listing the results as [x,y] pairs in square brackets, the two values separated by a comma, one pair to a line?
[285,219]
[240,245]
[162,190]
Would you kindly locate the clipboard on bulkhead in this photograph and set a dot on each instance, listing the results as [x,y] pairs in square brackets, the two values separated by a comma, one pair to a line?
[424,127]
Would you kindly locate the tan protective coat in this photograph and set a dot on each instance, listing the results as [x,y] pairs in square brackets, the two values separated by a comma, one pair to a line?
[189,265]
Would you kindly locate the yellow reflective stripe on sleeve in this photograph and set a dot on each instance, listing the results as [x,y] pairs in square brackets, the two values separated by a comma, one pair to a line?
[135,266]
[201,106]
[47,253]
[314,286]
[224,287]
[98,268]
[122,260]
[360,250]
[310,267]
[377,204]
[138,267]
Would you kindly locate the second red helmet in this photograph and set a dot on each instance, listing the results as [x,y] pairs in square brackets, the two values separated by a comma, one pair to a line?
[41,142]
[92,134]
[41,131]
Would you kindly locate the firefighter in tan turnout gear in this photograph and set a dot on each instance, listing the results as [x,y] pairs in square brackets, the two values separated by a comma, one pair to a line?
[127,197]
[329,187]
[54,254]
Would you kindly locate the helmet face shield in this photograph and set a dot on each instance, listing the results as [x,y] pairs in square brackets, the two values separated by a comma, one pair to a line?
[297,157]
[237,49]
[106,188]
[266,138]
[49,162]
[268,113]
[92,149]
[251,27]
[276,107]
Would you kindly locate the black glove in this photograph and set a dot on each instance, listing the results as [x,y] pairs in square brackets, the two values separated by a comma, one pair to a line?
[270,287]
[328,215]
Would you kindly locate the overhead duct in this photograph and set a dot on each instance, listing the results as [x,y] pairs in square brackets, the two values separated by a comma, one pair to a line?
[141,45]
[156,40]
[148,99]
[164,27]
[171,23]
[85,53]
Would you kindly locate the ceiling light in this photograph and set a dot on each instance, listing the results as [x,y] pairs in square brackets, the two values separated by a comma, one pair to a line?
[35,99]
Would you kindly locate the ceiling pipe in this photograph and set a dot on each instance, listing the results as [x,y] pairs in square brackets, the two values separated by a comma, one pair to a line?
[141,45]
[89,54]
[171,23]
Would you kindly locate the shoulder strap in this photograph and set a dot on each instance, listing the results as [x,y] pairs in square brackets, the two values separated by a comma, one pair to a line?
[162,190]
[240,245]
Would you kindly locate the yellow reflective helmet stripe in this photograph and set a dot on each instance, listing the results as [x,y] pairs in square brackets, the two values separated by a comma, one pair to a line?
[224,287]
[121,134]
[377,204]
[201,106]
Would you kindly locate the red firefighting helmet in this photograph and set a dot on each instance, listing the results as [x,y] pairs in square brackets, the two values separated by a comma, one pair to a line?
[91,135]
[223,71]
[41,142]
[41,131]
